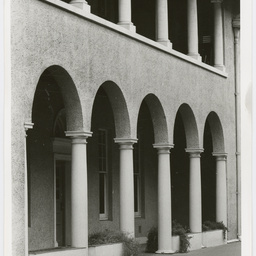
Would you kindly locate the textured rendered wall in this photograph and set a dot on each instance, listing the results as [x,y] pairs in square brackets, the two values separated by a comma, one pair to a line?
[43,35]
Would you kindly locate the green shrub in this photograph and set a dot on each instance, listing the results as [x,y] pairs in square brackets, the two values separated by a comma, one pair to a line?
[177,230]
[131,247]
[212,225]
[152,242]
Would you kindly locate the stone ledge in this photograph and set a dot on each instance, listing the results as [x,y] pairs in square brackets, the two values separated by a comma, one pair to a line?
[60,252]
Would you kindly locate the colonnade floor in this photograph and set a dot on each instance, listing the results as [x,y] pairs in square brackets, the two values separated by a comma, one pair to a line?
[232,249]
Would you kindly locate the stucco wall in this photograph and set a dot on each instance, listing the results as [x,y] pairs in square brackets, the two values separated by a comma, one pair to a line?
[44,35]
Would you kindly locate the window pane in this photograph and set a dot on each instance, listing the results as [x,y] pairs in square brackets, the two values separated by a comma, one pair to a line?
[136,208]
[102,193]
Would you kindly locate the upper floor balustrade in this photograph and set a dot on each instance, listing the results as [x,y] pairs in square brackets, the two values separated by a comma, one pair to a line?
[192,27]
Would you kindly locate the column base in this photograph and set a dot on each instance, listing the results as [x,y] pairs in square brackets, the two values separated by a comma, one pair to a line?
[195,56]
[164,251]
[81,4]
[128,26]
[220,67]
[166,43]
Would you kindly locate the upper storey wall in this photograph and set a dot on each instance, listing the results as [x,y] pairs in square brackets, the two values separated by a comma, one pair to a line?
[93,50]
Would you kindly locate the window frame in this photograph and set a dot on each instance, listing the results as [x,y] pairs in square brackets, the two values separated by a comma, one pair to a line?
[137,177]
[105,215]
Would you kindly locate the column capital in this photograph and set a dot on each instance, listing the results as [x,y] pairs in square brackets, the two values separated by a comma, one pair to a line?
[80,134]
[163,148]
[78,137]
[216,1]
[220,156]
[194,152]
[28,125]
[125,143]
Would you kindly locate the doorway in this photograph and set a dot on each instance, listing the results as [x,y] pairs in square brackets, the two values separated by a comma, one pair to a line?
[63,201]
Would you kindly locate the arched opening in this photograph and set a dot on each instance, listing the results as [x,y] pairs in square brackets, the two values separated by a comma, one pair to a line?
[213,143]
[208,177]
[205,30]
[143,17]
[177,13]
[151,128]
[145,174]
[110,119]
[185,136]
[103,171]
[180,174]
[49,192]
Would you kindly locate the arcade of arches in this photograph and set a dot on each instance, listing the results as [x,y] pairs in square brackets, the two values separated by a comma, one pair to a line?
[78,185]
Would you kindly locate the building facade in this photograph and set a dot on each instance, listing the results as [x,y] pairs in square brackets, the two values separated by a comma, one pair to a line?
[125,116]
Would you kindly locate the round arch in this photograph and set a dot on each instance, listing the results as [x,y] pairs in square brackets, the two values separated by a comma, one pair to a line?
[119,108]
[190,126]
[69,94]
[210,176]
[56,108]
[217,132]
[158,118]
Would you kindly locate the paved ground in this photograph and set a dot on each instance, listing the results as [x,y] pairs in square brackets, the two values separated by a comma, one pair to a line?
[232,249]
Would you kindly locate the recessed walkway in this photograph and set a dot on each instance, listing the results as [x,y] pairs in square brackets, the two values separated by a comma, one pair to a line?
[232,249]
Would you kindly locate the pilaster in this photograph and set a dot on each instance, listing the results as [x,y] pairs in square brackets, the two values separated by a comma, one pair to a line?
[27,126]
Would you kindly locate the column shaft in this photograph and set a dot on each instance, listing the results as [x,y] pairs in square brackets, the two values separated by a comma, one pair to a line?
[126,186]
[79,197]
[164,200]
[79,193]
[195,198]
[193,29]
[125,14]
[218,35]
[221,189]
[162,32]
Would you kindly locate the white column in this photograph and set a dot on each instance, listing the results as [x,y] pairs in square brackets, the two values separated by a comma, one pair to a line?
[125,15]
[221,188]
[27,126]
[218,35]
[195,198]
[164,199]
[126,185]
[162,32]
[193,30]
[81,4]
[79,193]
